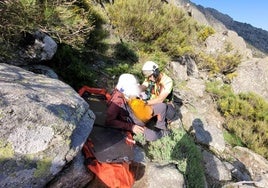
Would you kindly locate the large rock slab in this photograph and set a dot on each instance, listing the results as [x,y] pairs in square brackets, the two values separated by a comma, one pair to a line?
[44,124]
[160,175]
[252,76]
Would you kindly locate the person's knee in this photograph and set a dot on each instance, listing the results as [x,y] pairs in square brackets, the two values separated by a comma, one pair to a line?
[159,108]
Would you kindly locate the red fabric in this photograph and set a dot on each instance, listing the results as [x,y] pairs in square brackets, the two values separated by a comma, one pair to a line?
[114,175]
[94,90]
[117,115]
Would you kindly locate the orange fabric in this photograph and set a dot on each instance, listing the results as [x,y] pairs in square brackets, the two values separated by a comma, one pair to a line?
[140,109]
[114,175]
[94,90]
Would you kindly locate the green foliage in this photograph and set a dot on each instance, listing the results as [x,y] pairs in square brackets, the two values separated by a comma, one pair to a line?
[174,43]
[222,62]
[70,65]
[158,26]
[227,63]
[231,76]
[76,26]
[66,22]
[95,39]
[6,151]
[123,51]
[12,21]
[232,139]
[246,116]
[139,138]
[229,47]
[28,2]
[120,68]
[180,149]
[42,167]
[218,90]
[205,32]
[135,19]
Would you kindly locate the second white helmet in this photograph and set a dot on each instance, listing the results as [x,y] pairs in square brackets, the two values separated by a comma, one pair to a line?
[148,68]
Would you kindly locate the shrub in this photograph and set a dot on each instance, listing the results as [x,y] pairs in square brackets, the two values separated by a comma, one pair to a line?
[76,26]
[120,68]
[222,62]
[232,139]
[205,32]
[123,51]
[246,116]
[70,66]
[179,148]
[67,22]
[157,25]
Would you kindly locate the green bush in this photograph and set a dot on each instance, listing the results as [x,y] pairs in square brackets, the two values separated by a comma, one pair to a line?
[120,68]
[205,32]
[232,139]
[76,26]
[159,26]
[179,148]
[222,62]
[246,116]
[123,51]
[72,68]
[66,22]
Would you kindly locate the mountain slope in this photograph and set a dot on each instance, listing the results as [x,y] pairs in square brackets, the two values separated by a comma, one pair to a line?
[255,37]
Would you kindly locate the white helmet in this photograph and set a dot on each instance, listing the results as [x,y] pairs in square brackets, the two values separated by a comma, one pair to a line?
[128,85]
[149,68]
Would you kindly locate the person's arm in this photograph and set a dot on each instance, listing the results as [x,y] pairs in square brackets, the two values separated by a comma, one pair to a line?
[112,118]
[166,85]
[113,113]
[159,99]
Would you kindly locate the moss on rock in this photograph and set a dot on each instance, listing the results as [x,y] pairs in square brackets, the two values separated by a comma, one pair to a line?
[6,151]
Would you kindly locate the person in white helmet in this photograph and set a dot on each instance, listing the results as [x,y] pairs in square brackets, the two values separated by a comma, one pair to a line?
[158,88]
[158,85]
[119,114]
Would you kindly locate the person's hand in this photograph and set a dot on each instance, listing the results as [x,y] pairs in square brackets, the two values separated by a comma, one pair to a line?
[143,96]
[137,129]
